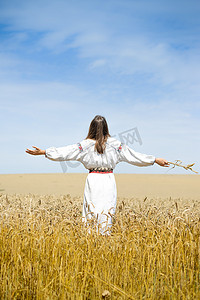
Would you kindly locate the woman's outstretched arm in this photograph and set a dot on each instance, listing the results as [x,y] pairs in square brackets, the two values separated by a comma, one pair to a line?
[37,151]
[128,155]
[70,152]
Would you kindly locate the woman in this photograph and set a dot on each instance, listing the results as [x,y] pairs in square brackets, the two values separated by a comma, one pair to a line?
[99,153]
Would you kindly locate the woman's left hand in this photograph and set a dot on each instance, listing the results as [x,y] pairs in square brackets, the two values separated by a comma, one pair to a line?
[37,151]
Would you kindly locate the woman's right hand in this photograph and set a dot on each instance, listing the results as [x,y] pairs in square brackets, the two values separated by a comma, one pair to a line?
[162,162]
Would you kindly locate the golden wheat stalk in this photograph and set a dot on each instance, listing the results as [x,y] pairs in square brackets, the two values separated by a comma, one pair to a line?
[178,163]
[118,289]
[49,255]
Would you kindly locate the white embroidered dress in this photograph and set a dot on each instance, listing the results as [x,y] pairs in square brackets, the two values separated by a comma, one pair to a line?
[100,193]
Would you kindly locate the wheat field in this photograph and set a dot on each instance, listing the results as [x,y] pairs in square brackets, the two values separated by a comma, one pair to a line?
[47,253]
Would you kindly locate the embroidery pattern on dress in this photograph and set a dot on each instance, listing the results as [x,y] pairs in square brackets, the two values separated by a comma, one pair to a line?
[120,148]
[80,147]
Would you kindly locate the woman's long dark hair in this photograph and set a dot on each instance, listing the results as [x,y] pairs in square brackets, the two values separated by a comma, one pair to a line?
[98,131]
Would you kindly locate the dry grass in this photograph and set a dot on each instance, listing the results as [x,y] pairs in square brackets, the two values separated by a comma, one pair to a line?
[46,253]
[178,163]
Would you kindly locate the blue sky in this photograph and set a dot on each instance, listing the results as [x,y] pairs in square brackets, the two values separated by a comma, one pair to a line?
[135,62]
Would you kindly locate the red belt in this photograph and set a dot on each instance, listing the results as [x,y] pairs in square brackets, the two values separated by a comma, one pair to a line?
[101,171]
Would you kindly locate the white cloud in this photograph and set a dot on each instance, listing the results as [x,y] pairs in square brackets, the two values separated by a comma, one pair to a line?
[97,63]
[92,29]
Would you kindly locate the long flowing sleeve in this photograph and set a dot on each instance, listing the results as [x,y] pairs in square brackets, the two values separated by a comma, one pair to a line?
[70,152]
[130,156]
